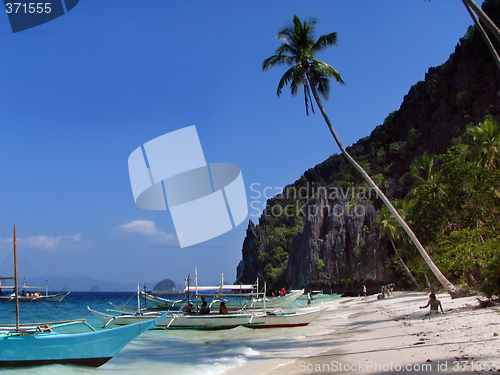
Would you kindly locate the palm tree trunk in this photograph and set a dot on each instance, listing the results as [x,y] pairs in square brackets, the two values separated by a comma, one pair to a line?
[404,265]
[472,6]
[428,282]
[450,288]
[490,25]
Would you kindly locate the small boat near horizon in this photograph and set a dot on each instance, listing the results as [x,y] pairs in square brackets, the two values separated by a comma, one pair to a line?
[58,297]
[30,297]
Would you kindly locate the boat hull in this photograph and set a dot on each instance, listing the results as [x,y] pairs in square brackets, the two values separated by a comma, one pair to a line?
[126,319]
[283,320]
[205,322]
[85,349]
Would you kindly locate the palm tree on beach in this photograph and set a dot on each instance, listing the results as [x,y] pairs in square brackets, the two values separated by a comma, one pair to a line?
[298,50]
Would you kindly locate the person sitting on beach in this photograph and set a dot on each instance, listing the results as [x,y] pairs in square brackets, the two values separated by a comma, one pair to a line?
[222,308]
[204,308]
[391,288]
[434,304]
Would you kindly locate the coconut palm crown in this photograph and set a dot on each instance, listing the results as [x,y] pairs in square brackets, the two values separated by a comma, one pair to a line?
[298,49]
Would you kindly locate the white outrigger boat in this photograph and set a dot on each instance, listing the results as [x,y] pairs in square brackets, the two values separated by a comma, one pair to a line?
[244,297]
[233,301]
[178,320]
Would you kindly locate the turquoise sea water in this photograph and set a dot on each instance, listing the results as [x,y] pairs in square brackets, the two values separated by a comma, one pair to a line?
[179,351]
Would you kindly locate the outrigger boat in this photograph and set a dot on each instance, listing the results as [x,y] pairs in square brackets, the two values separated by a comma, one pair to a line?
[244,297]
[31,297]
[259,318]
[37,344]
[180,320]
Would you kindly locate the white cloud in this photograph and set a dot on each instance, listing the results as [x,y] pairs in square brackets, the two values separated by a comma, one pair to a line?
[147,228]
[45,242]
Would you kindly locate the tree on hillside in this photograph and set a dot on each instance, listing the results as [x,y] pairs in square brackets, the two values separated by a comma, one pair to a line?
[392,230]
[298,50]
[486,143]
[424,170]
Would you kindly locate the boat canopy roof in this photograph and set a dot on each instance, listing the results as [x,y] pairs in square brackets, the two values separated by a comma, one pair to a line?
[220,287]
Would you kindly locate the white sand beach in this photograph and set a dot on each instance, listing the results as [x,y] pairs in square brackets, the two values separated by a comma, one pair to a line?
[390,336]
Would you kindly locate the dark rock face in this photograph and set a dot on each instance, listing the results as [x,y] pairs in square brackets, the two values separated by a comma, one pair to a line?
[342,249]
[338,246]
[165,285]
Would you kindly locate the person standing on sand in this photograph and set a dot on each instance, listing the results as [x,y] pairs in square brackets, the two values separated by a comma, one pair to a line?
[434,304]
[364,290]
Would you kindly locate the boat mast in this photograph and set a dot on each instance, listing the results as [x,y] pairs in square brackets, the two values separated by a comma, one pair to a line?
[264,297]
[16,292]
[138,299]
[196,286]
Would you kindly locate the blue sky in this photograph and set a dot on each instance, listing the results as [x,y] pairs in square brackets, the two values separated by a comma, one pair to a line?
[80,93]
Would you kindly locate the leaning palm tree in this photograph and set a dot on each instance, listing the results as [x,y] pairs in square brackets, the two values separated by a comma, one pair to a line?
[298,50]
[485,149]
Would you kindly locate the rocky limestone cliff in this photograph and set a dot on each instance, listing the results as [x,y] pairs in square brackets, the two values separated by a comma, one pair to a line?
[339,245]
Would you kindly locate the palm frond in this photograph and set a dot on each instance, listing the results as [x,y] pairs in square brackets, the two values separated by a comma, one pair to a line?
[285,79]
[325,41]
[277,60]
[297,80]
[323,87]
[325,70]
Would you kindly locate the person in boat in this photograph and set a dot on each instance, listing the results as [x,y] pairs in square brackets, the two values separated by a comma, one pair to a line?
[283,291]
[434,304]
[204,308]
[188,308]
[223,309]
